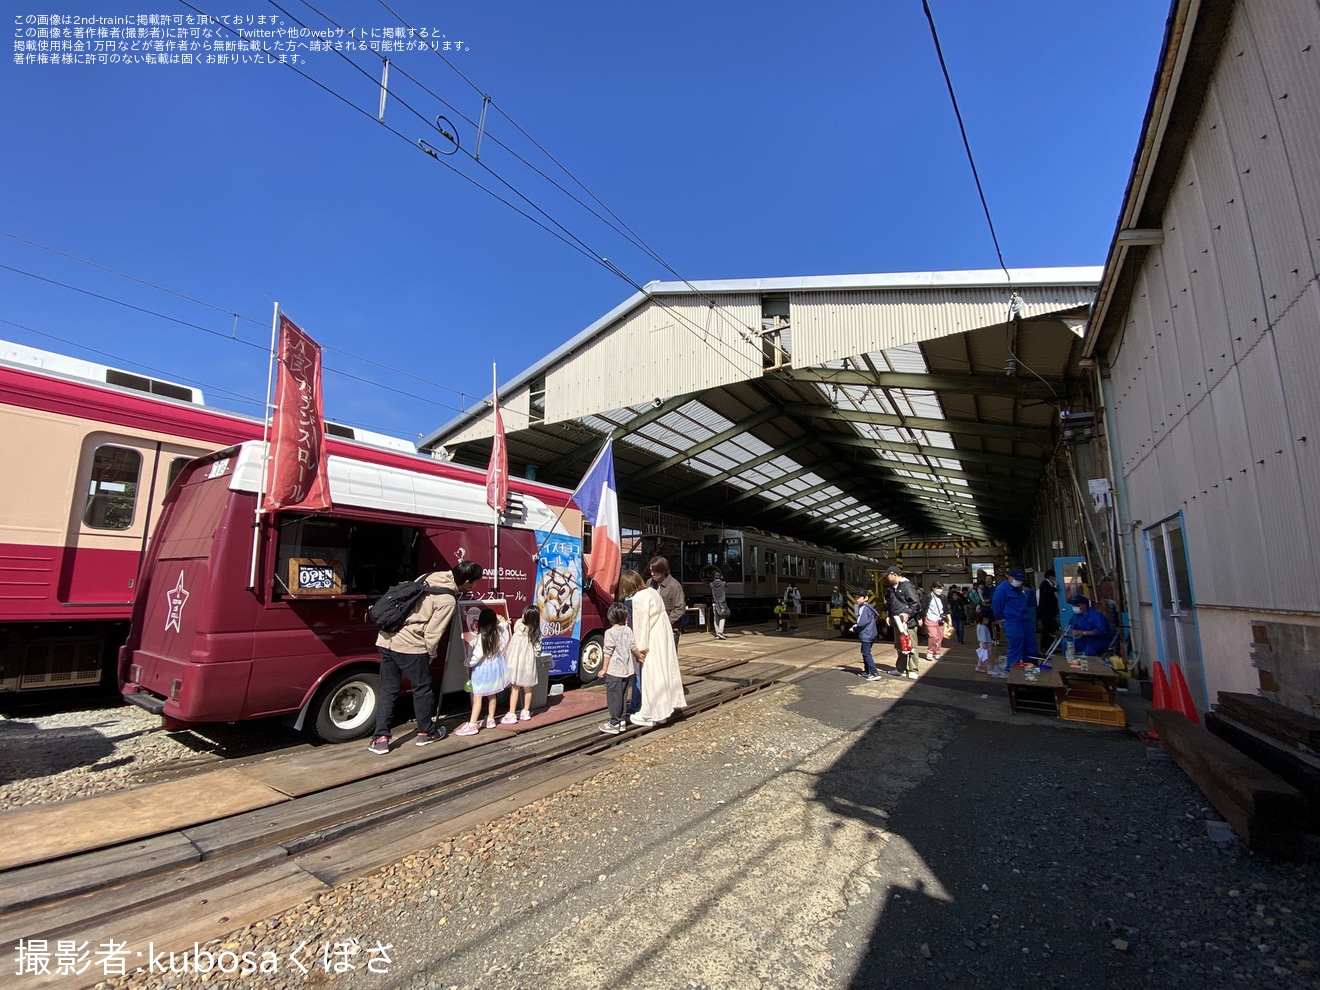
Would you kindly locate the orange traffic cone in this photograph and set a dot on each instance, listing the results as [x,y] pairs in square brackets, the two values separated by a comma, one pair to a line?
[1182,698]
[1161,694]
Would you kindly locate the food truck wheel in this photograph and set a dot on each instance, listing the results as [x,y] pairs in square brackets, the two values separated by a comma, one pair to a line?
[592,659]
[346,708]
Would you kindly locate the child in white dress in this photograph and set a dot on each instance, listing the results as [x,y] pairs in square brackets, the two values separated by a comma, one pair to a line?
[489,673]
[520,658]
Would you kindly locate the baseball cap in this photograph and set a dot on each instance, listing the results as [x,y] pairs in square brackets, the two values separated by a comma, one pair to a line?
[1079,600]
[894,570]
[1018,573]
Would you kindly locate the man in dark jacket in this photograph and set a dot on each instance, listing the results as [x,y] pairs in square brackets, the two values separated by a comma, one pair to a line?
[902,602]
[671,592]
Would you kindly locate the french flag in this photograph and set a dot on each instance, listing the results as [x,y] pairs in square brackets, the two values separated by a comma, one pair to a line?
[598,499]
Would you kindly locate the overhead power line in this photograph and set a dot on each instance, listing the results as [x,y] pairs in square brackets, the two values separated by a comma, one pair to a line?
[568,237]
[939,52]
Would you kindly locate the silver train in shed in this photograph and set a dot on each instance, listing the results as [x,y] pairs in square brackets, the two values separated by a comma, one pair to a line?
[759,566]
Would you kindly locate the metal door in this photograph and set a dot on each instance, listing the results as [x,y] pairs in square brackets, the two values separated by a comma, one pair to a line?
[1174,606]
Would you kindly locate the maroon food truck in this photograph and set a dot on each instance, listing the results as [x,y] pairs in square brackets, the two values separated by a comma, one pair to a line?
[205,645]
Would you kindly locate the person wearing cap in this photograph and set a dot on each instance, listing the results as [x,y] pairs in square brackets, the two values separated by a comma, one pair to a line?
[902,602]
[867,628]
[1090,630]
[1012,604]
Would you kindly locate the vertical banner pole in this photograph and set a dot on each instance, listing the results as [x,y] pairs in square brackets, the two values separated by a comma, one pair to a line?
[265,442]
[495,396]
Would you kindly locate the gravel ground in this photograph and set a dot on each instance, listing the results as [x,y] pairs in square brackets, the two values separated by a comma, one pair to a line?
[837,834]
[54,756]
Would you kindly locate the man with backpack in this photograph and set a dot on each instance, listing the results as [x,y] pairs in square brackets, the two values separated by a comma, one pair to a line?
[902,603]
[408,647]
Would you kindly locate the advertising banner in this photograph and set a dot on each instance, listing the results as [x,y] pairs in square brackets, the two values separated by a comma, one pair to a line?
[558,595]
[297,471]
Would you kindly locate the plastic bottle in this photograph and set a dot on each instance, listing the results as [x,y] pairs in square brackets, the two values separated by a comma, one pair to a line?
[1069,651]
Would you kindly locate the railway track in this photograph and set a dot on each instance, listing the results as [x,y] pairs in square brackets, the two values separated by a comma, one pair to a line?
[173,886]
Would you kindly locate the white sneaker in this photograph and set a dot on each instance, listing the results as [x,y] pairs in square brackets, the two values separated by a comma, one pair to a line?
[912,675]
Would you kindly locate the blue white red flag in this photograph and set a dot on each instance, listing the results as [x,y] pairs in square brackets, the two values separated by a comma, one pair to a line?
[598,499]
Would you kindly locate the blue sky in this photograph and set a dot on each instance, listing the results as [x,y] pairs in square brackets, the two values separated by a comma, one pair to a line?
[737,139]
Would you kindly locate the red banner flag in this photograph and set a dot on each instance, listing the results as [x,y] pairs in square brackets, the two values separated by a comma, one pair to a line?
[497,473]
[297,447]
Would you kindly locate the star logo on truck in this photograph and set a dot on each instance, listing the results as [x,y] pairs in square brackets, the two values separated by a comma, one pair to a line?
[177,597]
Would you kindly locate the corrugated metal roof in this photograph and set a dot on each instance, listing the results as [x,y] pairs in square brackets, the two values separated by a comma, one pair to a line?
[819,451]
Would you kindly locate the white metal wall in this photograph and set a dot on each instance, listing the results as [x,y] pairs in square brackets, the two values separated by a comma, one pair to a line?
[1216,375]
[832,324]
[661,349]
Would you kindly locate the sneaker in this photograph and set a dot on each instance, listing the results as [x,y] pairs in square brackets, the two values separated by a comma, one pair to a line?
[611,728]
[490,723]
[509,719]
[467,729]
[912,675]
[380,745]
[896,672]
[873,677]
[437,733]
[524,716]
[639,719]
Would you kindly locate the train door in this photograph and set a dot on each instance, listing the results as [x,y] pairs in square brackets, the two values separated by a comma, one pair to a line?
[108,519]
[1173,604]
[119,488]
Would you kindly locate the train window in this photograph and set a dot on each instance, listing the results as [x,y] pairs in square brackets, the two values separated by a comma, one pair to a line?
[113,490]
[367,558]
[733,563]
[176,465]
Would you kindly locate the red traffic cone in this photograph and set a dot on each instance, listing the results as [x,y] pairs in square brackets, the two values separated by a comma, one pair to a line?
[1182,698]
[1161,694]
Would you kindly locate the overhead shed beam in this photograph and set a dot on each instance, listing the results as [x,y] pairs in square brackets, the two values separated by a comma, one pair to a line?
[736,430]
[963,427]
[952,453]
[755,462]
[976,384]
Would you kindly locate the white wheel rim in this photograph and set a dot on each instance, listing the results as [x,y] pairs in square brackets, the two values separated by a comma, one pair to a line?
[351,705]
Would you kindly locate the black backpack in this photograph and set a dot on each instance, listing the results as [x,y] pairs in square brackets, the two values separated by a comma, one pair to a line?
[392,609]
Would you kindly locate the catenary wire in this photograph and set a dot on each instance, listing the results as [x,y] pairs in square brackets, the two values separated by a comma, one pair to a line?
[939,52]
[172,376]
[698,332]
[216,333]
[618,226]
[221,309]
[741,329]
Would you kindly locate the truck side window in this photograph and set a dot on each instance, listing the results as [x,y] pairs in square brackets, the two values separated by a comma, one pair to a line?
[112,493]
[369,557]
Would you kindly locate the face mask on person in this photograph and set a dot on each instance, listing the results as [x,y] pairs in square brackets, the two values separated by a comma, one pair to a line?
[1077,610]
[1015,582]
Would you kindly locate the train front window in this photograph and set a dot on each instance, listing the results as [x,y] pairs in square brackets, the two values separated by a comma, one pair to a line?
[691,561]
[112,493]
[733,564]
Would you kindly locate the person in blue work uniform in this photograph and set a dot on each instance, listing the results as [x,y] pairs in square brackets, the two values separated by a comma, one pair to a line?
[1090,629]
[1013,608]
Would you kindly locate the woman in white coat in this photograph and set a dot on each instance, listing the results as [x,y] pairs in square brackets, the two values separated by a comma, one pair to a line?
[662,684]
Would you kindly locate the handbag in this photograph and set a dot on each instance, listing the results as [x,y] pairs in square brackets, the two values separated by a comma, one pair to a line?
[722,610]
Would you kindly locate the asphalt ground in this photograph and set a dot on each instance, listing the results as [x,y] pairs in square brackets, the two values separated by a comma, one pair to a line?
[837,833]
